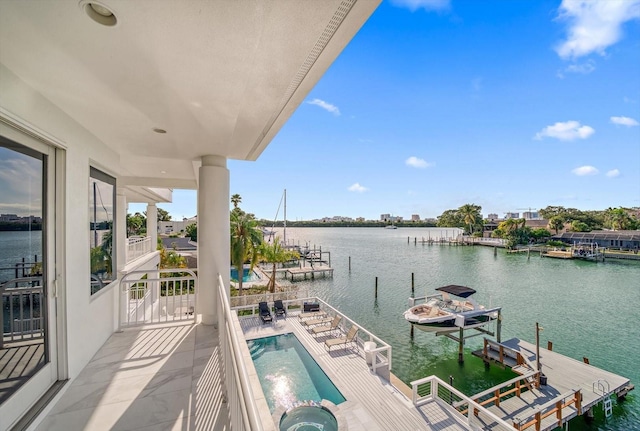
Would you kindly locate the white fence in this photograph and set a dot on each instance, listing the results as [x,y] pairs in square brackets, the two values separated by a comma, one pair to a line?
[241,401]
[158,296]
[137,247]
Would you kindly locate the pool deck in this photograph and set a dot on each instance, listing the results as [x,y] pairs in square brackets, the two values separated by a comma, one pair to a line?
[373,403]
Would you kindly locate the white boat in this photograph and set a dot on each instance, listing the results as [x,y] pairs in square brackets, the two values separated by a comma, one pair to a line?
[441,313]
[391,226]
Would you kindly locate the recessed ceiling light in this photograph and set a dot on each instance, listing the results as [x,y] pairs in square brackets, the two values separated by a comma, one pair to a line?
[163,172]
[99,12]
[158,130]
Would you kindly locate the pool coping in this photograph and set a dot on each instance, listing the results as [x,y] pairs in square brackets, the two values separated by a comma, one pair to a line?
[334,409]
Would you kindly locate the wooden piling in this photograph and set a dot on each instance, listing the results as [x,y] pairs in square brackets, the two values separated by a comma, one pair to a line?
[349,263]
[495,251]
[411,333]
[585,360]
[415,240]
[408,239]
[413,289]
[550,346]
[461,347]
[376,295]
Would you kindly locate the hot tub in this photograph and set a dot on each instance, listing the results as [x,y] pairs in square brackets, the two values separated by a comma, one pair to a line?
[308,418]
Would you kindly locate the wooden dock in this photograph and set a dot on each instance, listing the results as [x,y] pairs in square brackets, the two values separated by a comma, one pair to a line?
[572,388]
[308,271]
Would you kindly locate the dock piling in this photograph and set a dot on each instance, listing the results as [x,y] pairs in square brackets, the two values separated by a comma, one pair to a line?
[461,347]
[376,294]
[495,251]
[413,289]
[349,263]
[550,346]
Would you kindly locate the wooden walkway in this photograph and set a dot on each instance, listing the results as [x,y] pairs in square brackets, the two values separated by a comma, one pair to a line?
[372,402]
[565,376]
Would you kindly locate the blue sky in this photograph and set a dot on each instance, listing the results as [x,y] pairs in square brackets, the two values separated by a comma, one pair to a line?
[506,104]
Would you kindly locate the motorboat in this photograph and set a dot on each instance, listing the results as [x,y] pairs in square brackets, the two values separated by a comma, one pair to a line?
[449,310]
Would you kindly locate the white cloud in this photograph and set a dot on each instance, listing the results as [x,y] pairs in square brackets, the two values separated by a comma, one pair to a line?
[414,5]
[326,106]
[584,170]
[624,121]
[567,131]
[417,163]
[594,25]
[613,173]
[584,68]
[357,188]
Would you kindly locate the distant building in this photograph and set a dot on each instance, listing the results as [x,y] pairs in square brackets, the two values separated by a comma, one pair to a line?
[175,226]
[9,217]
[531,215]
[385,217]
[492,217]
[415,217]
[360,219]
[511,215]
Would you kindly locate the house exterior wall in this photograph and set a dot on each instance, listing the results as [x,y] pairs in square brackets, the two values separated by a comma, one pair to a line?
[89,319]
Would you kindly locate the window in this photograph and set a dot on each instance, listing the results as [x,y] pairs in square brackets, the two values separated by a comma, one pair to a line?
[102,198]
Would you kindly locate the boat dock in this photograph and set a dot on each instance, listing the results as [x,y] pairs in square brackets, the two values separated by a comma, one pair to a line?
[310,271]
[566,388]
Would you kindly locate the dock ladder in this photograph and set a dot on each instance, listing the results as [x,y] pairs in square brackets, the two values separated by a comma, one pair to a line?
[601,387]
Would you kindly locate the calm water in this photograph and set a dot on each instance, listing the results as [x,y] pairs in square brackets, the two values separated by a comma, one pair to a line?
[17,245]
[586,309]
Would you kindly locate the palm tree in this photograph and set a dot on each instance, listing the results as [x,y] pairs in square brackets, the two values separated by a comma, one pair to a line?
[235,200]
[618,218]
[274,253]
[470,214]
[245,242]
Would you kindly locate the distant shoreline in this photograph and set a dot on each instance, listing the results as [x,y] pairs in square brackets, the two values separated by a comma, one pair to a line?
[20,227]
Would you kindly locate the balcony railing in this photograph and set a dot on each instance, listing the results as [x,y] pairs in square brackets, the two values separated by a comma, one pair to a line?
[241,402]
[20,312]
[158,296]
[137,247]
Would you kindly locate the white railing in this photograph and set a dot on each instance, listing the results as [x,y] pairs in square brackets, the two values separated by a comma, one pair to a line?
[158,296]
[287,295]
[137,247]
[381,355]
[241,401]
[460,406]
[22,298]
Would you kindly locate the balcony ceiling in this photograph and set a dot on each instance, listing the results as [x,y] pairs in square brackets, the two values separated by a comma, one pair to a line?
[221,77]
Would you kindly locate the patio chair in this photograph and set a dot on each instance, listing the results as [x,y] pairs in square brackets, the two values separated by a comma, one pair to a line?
[265,313]
[279,308]
[327,328]
[342,341]
[310,314]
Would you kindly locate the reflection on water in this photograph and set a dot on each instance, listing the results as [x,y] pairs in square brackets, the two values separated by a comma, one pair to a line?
[586,308]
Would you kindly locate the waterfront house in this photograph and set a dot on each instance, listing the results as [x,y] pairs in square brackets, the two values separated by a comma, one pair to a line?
[112,102]
[610,239]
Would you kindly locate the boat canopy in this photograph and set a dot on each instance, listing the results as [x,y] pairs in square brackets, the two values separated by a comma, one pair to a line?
[461,291]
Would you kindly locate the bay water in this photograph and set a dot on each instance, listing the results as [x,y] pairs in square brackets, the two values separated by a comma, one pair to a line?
[586,309]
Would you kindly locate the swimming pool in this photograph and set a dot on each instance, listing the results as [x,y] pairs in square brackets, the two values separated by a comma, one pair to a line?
[288,374]
[246,275]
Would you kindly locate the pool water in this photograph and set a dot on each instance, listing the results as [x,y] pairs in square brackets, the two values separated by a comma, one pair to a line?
[246,275]
[288,374]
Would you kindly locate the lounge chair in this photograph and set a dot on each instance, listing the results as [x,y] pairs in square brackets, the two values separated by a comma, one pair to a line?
[265,313]
[279,308]
[309,314]
[315,322]
[327,328]
[342,341]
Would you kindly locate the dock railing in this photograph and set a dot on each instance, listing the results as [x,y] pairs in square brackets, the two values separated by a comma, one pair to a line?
[557,406]
[243,409]
[462,407]
[494,395]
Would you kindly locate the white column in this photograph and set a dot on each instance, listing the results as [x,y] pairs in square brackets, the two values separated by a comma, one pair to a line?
[152,225]
[120,233]
[213,234]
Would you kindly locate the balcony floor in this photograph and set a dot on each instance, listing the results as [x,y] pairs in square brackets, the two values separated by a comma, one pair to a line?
[149,378]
